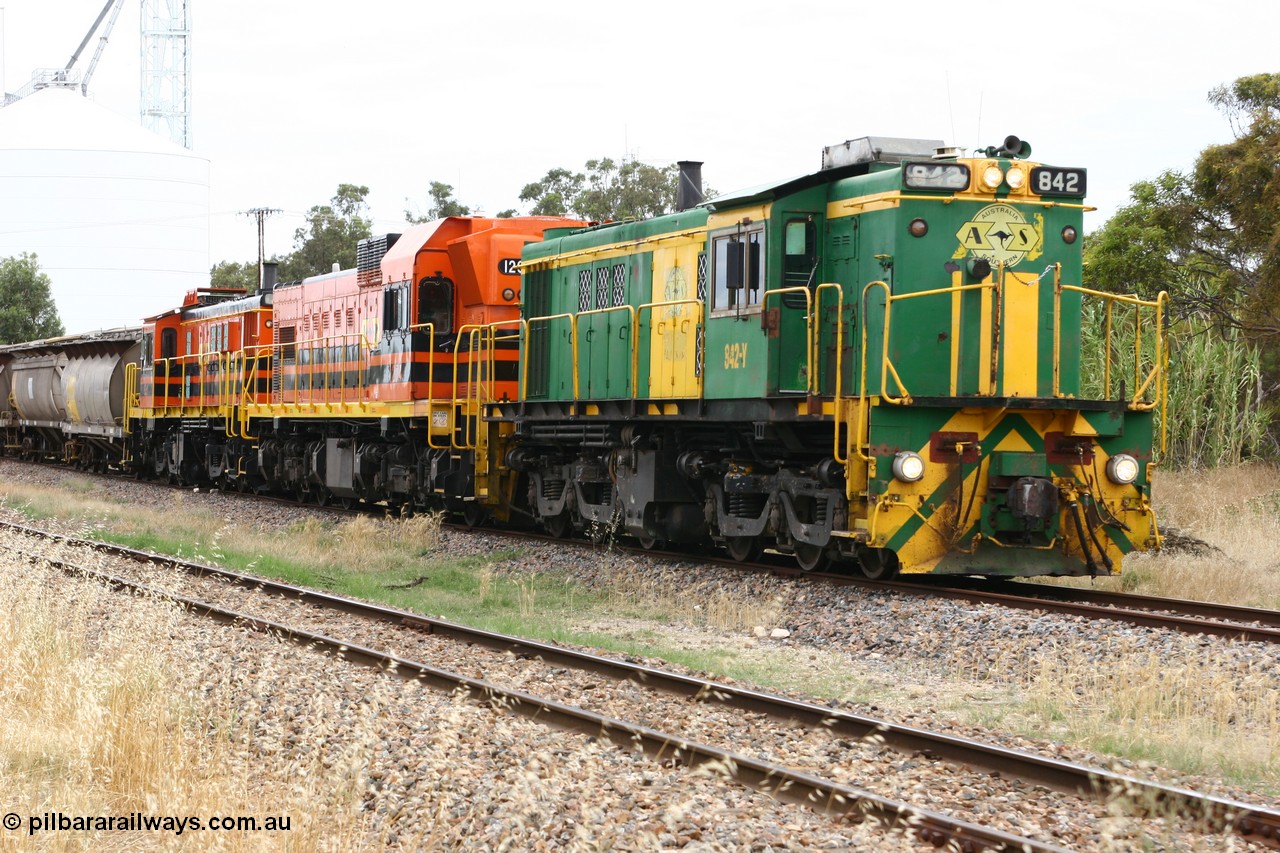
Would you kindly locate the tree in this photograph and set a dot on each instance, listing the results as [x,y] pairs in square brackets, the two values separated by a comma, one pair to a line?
[1211,236]
[234,274]
[442,204]
[605,191]
[27,310]
[330,235]
[555,194]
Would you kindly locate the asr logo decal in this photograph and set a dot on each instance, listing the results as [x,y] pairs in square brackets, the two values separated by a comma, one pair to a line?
[1000,234]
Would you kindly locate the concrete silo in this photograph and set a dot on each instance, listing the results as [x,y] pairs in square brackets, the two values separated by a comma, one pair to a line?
[118,216]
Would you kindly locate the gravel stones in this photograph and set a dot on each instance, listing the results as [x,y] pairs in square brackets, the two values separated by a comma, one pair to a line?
[913,649]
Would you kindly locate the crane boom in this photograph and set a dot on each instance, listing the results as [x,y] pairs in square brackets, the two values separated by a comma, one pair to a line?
[92,30]
[115,6]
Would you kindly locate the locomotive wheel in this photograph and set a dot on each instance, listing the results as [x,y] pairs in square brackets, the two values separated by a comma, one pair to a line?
[651,543]
[559,526]
[743,549]
[878,564]
[474,515]
[811,558]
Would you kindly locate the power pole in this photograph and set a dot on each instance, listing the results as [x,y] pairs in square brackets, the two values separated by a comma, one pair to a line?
[261,214]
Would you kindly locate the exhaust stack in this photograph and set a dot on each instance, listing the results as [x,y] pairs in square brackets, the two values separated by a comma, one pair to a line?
[689,192]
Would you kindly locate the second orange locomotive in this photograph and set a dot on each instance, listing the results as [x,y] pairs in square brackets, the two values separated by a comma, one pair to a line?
[357,385]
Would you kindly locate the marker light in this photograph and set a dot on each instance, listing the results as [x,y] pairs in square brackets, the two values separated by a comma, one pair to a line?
[907,466]
[1122,469]
[992,177]
[918,227]
[1068,234]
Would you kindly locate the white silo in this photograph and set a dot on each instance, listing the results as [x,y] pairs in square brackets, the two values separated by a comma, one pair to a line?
[118,216]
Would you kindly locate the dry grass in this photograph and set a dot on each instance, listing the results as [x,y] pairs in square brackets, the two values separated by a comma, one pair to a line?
[708,604]
[92,723]
[364,543]
[1201,715]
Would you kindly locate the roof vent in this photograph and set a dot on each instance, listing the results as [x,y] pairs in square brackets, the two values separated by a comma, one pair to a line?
[369,252]
[948,152]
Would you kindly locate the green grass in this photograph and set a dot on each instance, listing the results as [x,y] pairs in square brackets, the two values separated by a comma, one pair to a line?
[447,588]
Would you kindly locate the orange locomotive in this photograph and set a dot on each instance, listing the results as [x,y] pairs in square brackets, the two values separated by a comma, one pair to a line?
[361,384]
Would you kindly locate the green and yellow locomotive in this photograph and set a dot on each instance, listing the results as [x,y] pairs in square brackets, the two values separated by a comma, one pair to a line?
[879,364]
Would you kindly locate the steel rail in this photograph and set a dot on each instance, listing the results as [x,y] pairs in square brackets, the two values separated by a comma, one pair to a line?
[1185,606]
[785,784]
[1184,616]
[1147,798]
[1189,624]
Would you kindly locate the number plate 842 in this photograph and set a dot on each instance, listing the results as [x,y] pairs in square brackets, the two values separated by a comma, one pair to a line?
[1047,180]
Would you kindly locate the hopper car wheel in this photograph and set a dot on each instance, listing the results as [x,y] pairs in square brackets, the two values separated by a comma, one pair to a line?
[878,564]
[300,495]
[320,496]
[559,526]
[811,558]
[743,549]
[346,503]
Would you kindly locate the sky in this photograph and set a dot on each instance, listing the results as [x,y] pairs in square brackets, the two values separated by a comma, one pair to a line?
[291,99]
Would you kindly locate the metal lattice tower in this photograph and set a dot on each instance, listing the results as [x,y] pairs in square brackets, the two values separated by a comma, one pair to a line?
[166,68]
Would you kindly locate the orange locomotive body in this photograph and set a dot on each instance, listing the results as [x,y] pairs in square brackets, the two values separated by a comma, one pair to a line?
[411,315]
[360,384]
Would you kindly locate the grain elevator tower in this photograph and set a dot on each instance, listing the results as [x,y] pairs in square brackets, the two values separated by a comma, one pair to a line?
[166,69]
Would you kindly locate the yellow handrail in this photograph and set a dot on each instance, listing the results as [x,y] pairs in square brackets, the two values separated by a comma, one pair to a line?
[1155,379]
[573,345]
[839,365]
[808,326]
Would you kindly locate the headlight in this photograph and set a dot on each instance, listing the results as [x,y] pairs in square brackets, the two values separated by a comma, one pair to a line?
[1015,178]
[992,177]
[1122,469]
[935,176]
[907,466]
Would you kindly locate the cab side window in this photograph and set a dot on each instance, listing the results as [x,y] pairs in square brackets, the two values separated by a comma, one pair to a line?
[800,254]
[168,343]
[435,305]
[395,308]
[738,264]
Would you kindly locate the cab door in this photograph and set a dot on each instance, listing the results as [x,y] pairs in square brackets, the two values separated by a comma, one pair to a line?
[786,316]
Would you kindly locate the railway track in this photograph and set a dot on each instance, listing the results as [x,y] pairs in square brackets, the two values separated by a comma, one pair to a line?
[1211,813]
[1171,614]
[1182,615]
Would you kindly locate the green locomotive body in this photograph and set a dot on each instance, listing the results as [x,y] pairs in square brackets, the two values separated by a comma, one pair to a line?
[878,363]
